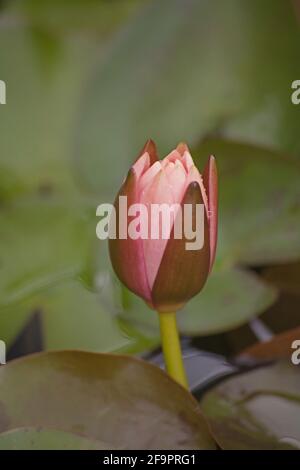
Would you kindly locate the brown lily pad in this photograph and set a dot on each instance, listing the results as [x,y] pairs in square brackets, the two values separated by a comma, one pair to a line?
[111,398]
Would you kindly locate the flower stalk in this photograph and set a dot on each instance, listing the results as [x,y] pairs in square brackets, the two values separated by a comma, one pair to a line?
[171,347]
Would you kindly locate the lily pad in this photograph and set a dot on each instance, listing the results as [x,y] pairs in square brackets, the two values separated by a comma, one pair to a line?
[37,119]
[259,203]
[43,241]
[13,319]
[47,439]
[115,399]
[277,347]
[230,299]
[73,317]
[45,244]
[256,410]
[178,73]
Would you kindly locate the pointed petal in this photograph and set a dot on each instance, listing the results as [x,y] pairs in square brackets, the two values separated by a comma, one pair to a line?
[176,179]
[194,175]
[168,168]
[127,255]
[149,175]
[150,148]
[210,181]
[185,154]
[187,161]
[141,165]
[157,192]
[171,157]
[182,148]
[182,273]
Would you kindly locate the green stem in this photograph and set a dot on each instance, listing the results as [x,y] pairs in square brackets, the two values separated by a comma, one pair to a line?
[171,348]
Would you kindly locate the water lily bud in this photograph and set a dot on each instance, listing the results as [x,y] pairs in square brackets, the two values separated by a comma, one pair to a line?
[162,270]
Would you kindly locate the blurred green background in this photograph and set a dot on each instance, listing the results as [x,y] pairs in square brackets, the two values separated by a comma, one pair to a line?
[87,83]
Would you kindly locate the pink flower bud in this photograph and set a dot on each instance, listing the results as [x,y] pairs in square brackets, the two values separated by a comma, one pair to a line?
[162,271]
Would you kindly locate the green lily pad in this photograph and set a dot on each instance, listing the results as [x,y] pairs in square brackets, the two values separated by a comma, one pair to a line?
[13,319]
[115,399]
[230,299]
[141,334]
[259,203]
[256,410]
[44,245]
[73,317]
[55,45]
[84,16]
[10,185]
[270,118]
[43,241]
[37,119]
[47,439]
[178,73]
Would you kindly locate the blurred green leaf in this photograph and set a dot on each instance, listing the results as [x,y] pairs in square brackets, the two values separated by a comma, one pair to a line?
[37,119]
[74,318]
[51,244]
[137,318]
[43,241]
[54,44]
[256,410]
[179,72]
[259,203]
[114,399]
[47,439]
[271,62]
[94,17]
[13,319]
[230,299]
[10,185]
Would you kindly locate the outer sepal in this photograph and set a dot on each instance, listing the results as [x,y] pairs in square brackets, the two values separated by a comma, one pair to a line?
[182,273]
[127,255]
[150,148]
[210,181]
